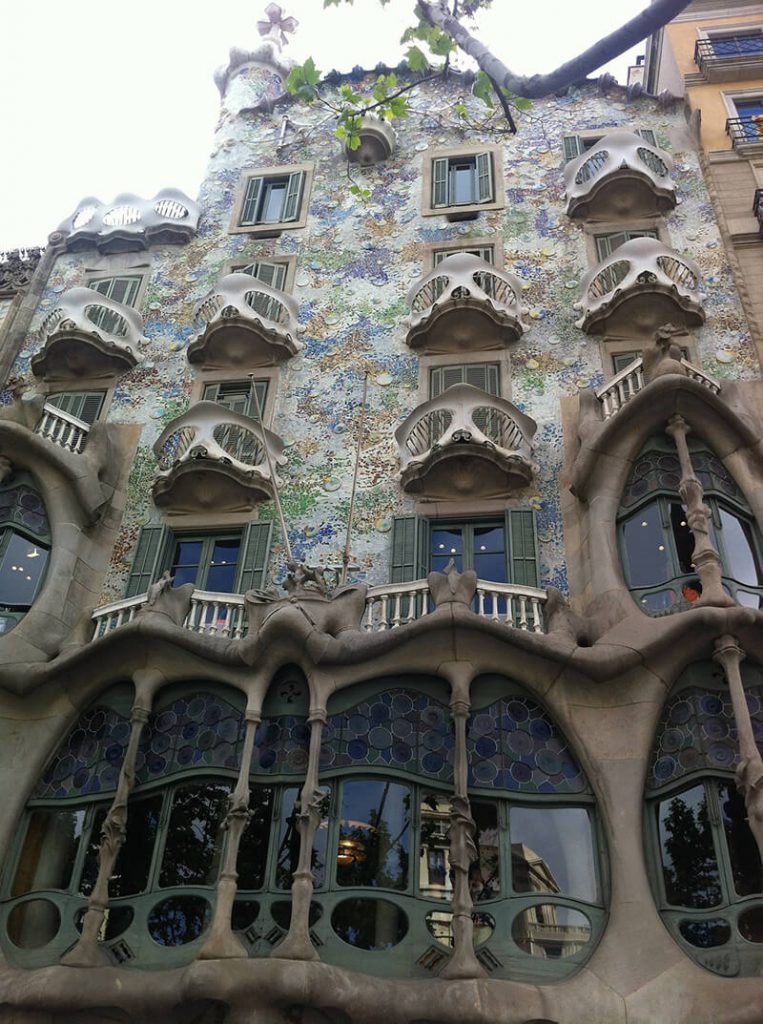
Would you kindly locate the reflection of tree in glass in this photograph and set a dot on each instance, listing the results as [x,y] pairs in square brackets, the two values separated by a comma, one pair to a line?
[381,859]
[191,852]
[689,864]
[743,850]
[288,848]
[253,848]
[178,920]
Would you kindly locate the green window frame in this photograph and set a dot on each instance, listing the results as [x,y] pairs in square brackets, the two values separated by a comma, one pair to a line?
[239,396]
[122,288]
[575,145]
[272,199]
[485,376]
[270,272]
[463,180]
[85,406]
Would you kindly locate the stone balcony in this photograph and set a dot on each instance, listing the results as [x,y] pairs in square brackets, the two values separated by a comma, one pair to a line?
[642,285]
[212,459]
[621,176]
[630,381]
[88,335]
[465,304]
[465,443]
[130,223]
[244,323]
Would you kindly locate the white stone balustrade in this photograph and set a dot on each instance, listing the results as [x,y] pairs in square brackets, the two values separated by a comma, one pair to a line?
[245,322]
[621,175]
[88,334]
[221,615]
[465,442]
[629,381]
[640,286]
[63,429]
[465,303]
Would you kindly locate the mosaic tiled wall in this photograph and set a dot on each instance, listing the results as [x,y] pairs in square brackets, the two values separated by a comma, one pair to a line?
[355,263]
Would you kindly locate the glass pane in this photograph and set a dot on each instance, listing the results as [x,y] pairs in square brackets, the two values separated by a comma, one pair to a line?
[743,850]
[485,873]
[446,544]
[490,553]
[622,359]
[281,914]
[462,182]
[440,926]
[646,556]
[369,924]
[50,847]
[434,861]
[551,932]
[272,205]
[552,851]
[689,864]
[185,564]
[134,859]
[683,538]
[221,575]
[739,560]
[373,834]
[289,840]
[706,934]
[253,848]
[178,920]
[33,924]
[116,921]
[194,835]
[21,569]
[750,924]
[244,914]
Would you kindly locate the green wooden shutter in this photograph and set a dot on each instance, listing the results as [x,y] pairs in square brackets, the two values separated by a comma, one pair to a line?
[273,274]
[251,201]
[85,405]
[293,196]
[522,547]
[439,183]
[485,189]
[410,549]
[148,562]
[572,147]
[253,564]
[648,136]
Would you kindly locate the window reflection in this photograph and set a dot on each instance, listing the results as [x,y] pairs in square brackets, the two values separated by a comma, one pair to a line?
[374,835]
[50,846]
[131,871]
[551,932]
[485,873]
[22,567]
[743,850]
[689,863]
[193,844]
[645,549]
[434,860]
[740,561]
[552,851]
[253,848]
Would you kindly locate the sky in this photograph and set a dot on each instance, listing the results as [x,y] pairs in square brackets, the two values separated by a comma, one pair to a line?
[102,98]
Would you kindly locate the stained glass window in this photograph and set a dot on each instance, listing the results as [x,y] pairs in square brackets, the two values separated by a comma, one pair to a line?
[281,746]
[89,759]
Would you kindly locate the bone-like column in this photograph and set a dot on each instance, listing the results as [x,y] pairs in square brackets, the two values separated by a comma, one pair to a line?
[749,772]
[706,559]
[88,951]
[222,943]
[308,811]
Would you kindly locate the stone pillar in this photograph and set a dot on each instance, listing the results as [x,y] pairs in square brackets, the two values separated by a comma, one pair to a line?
[222,943]
[88,952]
[308,810]
[463,851]
[707,561]
[749,773]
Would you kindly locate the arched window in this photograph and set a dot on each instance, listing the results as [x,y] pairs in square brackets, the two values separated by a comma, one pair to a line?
[657,544]
[24,548]
[707,874]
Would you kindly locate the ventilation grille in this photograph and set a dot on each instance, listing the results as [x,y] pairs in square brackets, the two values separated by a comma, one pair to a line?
[488,960]
[432,959]
[121,952]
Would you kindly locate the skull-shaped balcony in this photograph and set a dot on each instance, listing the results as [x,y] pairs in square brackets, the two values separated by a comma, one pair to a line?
[212,459]
[465,304]
[621,176]
[243,323]
[88,335]
[641,285]
[465,443]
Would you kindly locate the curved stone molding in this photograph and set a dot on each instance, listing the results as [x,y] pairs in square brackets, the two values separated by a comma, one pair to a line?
[88,335]
[130,223]
[621,176]
[212,458]
[641,285]
[377,142]
[465,442]
[465,304]
[244,322]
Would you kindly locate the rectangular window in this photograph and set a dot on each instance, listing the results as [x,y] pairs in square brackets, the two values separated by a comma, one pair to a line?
[744,44]
[82,405]
[462,181]
[241,396]
[483,252]
[275,198]
[209,562]
[485,376]
[575,145]
[606,244]
[122,288]
[747,126]
[270,272]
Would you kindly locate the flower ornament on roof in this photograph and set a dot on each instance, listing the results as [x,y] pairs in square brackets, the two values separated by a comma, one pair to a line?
[276,27]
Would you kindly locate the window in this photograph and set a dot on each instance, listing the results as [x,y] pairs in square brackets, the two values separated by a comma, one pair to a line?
[83,405]
[575,145]
[707,873]
[736,45]
[270,272]
[462,182]
[274,199]
[230,562]
[606,244]
[123,288]
[242,396]
[483,252]
[657,544]
[485,376]
[747,125]
[24,548]
[622,360]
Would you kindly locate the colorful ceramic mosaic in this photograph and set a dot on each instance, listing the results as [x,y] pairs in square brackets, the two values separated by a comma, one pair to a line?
[89,759]
[513,745]
[281,745]
[697,731]
[199,731]
[398,729]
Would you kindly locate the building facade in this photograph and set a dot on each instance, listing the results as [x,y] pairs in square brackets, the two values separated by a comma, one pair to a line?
[451,731]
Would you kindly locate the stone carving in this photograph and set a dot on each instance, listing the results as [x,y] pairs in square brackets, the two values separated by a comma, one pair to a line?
[162,599]
[305,581]
[16,270]
[665,355]
[452,586]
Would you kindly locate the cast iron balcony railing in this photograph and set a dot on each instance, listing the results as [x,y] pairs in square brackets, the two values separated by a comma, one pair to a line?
[629,381]
[213,459]
[621,176]
[641,285]
[745,131]
[88,335]
[389,606]
[465,443]
[63,429]
[729,57]
[245,322]
[464,304]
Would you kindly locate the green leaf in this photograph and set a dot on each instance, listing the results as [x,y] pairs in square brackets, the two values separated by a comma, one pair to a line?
[522,103]
[311,74]
[483,89]
[340,132]
[416,59]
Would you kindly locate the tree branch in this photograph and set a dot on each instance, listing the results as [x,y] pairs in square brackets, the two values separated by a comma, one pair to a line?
[536,86]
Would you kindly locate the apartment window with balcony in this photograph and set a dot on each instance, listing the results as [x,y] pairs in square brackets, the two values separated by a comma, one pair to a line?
[745,127]
[740,44]
[125,289]
[607,244]
[242,396]
[463,182]
[273,199]
[576,145]
[83,405]
[485,376]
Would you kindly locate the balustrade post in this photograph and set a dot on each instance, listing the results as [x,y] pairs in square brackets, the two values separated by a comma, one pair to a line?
[87,952]
[749,773]
[222,943]
[463,850]
[308,811]
[706,559]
